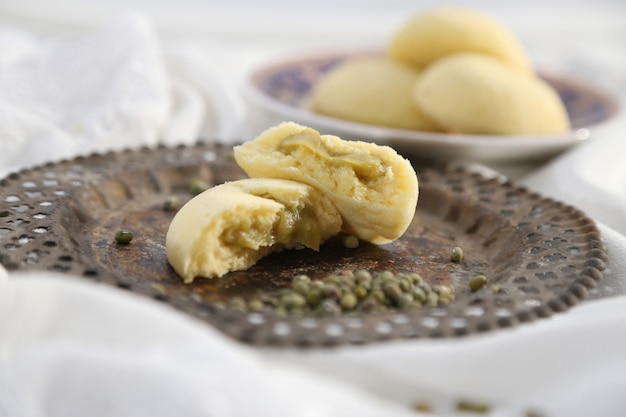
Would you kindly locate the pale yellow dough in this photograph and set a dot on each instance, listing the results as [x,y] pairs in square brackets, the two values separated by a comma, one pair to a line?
[372,90]
[231,226]
[373,187]
[475,93]
[442,31]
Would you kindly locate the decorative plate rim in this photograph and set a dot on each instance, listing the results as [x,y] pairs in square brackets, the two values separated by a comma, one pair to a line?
[257,95]
[39,206]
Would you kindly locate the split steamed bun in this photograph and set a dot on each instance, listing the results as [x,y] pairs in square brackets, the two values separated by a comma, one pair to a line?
[231,226]
[374,188]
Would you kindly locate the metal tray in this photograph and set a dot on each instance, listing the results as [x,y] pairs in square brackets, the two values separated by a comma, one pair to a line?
[540,256]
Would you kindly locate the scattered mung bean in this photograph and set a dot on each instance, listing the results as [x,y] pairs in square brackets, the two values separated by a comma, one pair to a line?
[472,407]
[456,255]
[237,303]
[350,242]
[123,236]
[477,283]
[350,292]
[256,305]
[423,407]
[348,301]
[172,203]
[197,186]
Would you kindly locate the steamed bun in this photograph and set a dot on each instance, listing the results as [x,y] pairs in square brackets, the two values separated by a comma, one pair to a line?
[231,226]
[476,93]
[372,90]
[373,187]
[436,33]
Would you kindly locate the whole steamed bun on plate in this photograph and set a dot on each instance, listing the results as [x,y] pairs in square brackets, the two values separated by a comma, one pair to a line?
[476,93]
[442,31]
[371,90]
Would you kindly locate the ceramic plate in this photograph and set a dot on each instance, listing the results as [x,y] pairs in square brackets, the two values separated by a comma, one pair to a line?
[279,91]
[539,256]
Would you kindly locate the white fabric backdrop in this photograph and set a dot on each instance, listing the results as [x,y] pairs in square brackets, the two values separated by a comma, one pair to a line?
[70,347]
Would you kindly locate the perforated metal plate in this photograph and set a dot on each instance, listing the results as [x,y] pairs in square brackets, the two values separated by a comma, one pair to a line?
[540,256]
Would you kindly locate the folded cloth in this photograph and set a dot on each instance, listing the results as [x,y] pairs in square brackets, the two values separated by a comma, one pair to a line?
[73,94]
[75,348]
[570,365]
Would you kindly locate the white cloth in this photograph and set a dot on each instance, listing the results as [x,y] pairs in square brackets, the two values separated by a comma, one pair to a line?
[79,94]
[571,365]
[69,347]
[105,89]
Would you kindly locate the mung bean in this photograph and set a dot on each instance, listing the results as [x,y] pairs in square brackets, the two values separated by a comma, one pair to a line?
[456,255]
[478,282]
[350,242]
[348,292]
[172,203]
[124,236]
[473,407]
[197,186]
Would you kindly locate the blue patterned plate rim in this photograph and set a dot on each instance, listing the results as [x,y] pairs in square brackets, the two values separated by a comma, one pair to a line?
[283,86]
